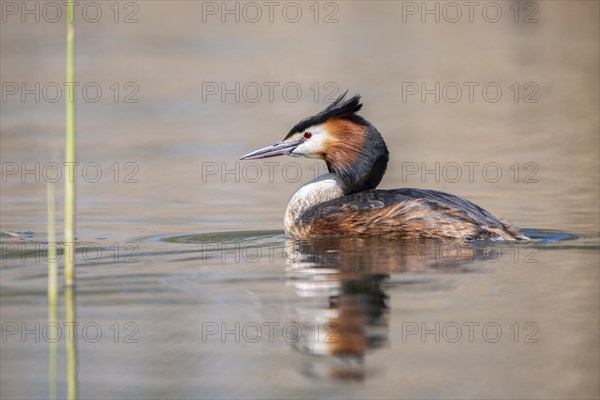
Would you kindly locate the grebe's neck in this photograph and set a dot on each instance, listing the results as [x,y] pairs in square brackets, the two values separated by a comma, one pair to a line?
[321,189]
[362,175]
[357,155]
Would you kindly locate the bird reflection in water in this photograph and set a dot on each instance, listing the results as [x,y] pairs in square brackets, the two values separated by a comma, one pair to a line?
[342,301]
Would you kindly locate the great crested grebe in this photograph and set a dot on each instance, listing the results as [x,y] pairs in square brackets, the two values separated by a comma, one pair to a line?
[345,201]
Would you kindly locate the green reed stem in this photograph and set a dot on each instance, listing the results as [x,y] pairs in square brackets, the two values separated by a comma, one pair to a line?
[69,248]
[53,354]
[70,151]
[70,320]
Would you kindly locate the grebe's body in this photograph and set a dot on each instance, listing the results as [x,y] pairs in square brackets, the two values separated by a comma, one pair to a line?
[345,201]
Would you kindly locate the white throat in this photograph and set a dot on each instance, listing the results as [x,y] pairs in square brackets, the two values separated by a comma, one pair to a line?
[323,188]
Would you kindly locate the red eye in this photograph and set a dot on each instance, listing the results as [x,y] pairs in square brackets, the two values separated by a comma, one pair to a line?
[307,135]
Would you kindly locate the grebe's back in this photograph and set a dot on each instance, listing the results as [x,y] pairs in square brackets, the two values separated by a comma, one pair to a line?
[401,213]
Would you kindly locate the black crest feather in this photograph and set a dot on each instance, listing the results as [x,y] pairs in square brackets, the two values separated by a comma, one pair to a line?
[340,108]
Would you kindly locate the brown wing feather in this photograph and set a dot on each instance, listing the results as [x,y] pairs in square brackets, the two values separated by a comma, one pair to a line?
[403,213]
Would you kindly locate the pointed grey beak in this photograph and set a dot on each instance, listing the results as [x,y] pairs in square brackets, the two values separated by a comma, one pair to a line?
[277,149]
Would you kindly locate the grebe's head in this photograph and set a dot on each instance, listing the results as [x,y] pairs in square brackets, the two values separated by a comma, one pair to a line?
[352,148]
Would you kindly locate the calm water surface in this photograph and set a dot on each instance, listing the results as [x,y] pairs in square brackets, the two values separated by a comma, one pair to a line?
[187,286]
